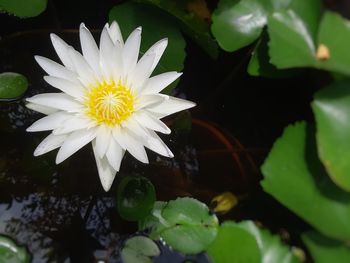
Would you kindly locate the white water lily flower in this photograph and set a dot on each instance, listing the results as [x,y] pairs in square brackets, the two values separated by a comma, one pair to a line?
[107,97]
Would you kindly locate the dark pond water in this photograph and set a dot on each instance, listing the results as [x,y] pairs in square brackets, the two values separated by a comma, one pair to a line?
[61,212]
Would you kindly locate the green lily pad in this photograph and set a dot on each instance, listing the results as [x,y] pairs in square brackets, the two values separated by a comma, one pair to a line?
[332,111]
[325,250]
[271,247]
[294,175]
[185,224]
[293,42]
[139,249]
[136,197]
[11,253]
[239,23]
[155,26]
[234,244]
[259,64]
[23,8]
[334,33]
[12,85]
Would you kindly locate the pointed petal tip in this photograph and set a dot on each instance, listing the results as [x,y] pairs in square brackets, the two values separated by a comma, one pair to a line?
[106,187]
[38,58]
[29,129]
[59,158]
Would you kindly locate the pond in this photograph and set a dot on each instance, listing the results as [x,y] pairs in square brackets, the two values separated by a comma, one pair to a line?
[60,213]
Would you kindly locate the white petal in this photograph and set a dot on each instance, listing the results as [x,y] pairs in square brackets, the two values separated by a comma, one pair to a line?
[72,89]
[61,48]
[150,101]
[50,143]
[106,49]
[117,62]
[159,82]
[74,142]
[54,69]
[131,50]
[132,125]
[42,109]
[170,106]
[142,72]
[156,144]
[105,170]
[103,140]
[115,34]
[157,49]
[146,119]
[73,124]
[59,101]
[115,154]
[129,143]
[90,49]
[85,72]
[49,122]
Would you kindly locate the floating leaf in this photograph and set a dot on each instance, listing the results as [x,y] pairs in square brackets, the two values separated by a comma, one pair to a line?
[11,253]
[291,43]
[23,8]
[139,249]
[185,224]
[155,26]
[293,34]
[294,175]
[136,197]
[334,34]
[12,85]
[234,244]
[153,220]
[192,23]
[259,64]
[271,247]
[239,23]
[332,111]
[325,250]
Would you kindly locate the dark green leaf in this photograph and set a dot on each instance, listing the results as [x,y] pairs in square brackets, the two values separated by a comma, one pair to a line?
[239,23]
[294,175]
[193,25]
[334,33]
[291,43]
[310,13]
[11,253]
[325,250]
[332,111]
[236,25]
[259,64]
[23,8]
[136,197]
[234,244]
[271,247]
[12,85]
[155,26]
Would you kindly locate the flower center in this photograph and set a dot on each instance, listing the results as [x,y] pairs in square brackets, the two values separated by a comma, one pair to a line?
[110,104]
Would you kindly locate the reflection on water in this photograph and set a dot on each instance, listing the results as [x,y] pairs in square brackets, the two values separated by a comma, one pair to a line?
[61,213]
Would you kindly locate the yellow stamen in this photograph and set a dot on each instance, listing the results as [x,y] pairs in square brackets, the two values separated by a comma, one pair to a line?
[110,104]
